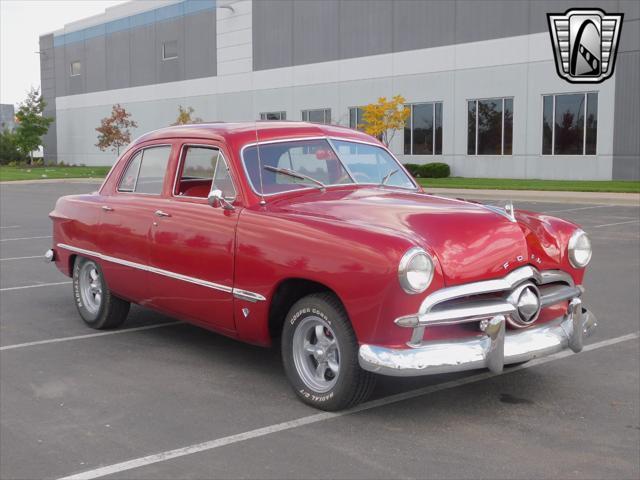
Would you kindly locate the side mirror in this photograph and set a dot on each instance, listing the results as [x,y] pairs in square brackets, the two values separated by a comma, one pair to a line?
[217,200]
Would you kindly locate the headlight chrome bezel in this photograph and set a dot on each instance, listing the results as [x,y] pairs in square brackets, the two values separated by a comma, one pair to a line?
[404,268]
[571,247]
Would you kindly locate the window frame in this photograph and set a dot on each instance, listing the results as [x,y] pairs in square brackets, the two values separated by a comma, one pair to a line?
[584,153]
[180,168]
[71,74]
[164,46]
[501,154]
[325,112]
[130,159]
[356,108]
[281,114]
[433,133]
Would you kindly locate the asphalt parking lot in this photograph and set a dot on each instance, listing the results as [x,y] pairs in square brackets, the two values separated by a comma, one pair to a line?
[173,401]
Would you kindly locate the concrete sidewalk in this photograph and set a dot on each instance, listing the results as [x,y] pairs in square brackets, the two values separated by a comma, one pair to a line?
[600,198]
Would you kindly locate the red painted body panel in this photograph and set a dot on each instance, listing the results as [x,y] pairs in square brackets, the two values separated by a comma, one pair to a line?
[347,238]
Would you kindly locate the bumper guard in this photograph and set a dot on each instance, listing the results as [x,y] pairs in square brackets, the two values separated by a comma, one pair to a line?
[493,349]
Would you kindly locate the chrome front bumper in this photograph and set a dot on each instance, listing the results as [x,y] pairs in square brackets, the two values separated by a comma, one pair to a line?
[492,349]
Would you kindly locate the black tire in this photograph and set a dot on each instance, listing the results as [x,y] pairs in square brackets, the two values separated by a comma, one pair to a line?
[351,385]
[110,311]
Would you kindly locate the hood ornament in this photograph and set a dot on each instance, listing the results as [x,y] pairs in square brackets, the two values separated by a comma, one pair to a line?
[510,210]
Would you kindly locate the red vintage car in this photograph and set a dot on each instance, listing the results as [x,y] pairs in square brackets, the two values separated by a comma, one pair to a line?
[317,239]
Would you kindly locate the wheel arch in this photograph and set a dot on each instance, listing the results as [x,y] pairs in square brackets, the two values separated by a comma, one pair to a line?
[287,292]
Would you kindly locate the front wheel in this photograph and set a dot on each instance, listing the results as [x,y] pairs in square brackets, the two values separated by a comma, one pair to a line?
[95,303]
[320,354]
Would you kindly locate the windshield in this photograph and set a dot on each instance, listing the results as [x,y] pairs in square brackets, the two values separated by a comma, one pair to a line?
[317,160]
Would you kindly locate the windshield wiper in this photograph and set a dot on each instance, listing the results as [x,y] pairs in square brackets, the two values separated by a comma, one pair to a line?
[299,176]
[388,176]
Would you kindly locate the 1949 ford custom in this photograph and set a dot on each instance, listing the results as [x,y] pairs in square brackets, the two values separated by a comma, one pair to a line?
[317,239]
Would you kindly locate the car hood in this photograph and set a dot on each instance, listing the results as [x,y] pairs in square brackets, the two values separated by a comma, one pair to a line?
[470,241]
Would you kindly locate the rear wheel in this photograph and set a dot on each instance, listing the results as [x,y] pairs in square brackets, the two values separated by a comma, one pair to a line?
[320,354]
[97,306]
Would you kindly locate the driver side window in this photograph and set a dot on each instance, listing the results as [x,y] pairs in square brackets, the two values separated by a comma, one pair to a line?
[204,168]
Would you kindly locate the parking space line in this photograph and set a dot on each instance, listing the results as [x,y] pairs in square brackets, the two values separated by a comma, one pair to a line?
[319,417]
[89,335]
[11,226]
[23,238]
[617,223]
[37,285]
[578,208]
[20,258]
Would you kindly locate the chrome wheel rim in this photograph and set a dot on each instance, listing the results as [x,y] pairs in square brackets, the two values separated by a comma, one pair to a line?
[90,285]
[316,354]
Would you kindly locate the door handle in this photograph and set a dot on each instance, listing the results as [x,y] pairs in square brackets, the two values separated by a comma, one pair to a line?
[107,208]
[160,213]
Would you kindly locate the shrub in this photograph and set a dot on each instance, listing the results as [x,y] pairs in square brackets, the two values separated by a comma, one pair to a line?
[429,170]
[413,168]
[9,151]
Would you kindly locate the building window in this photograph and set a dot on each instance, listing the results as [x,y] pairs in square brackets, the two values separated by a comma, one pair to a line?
[273,116]
[490,126]
[322,115]
[76,68]
[355,118]
[423,129]
[566,130]
[170,50]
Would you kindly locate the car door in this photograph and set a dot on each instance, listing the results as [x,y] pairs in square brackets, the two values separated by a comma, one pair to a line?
[193,244]
[126,220]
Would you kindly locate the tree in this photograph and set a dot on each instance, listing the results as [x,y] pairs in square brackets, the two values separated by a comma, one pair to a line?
[9,151]
[384,118]
[184,116]
[31,123]
[113,131]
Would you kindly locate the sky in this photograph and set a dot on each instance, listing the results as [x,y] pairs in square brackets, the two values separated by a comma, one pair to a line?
[21,24]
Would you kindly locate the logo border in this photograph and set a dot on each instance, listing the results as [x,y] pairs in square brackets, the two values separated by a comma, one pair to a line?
[554,47]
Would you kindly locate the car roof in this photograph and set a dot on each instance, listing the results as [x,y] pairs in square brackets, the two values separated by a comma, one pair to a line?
[246,132]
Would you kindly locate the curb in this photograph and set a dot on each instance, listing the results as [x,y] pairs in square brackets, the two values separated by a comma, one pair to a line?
[53,180]
[596,198]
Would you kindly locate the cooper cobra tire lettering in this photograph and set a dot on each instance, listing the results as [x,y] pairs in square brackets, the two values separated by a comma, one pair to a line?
[352,384]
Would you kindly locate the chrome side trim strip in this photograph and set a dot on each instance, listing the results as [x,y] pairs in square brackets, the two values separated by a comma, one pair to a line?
[238,293]
[246,295]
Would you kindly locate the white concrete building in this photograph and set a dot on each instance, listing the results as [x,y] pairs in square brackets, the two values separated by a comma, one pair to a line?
[480,76]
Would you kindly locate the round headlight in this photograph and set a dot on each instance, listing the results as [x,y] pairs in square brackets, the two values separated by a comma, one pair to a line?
[579,249]
[415,271]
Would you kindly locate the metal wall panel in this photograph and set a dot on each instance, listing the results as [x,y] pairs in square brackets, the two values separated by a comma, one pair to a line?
[272,34]
[366,27]
[169,70]
[487,19]
[626,141]
[118,55]
[72,53]
[423,24]
[96,64]
[200,45]
[48,91]
[144,56]
[316,33]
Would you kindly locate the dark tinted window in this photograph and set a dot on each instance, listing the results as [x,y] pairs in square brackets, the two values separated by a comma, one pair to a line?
[317,116]
[592,123]
[423,129]
[547,125]
[569,124]
[508,126]
[490,127]
[471,128]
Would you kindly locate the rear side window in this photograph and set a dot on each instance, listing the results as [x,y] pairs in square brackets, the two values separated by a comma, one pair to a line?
[146,171]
